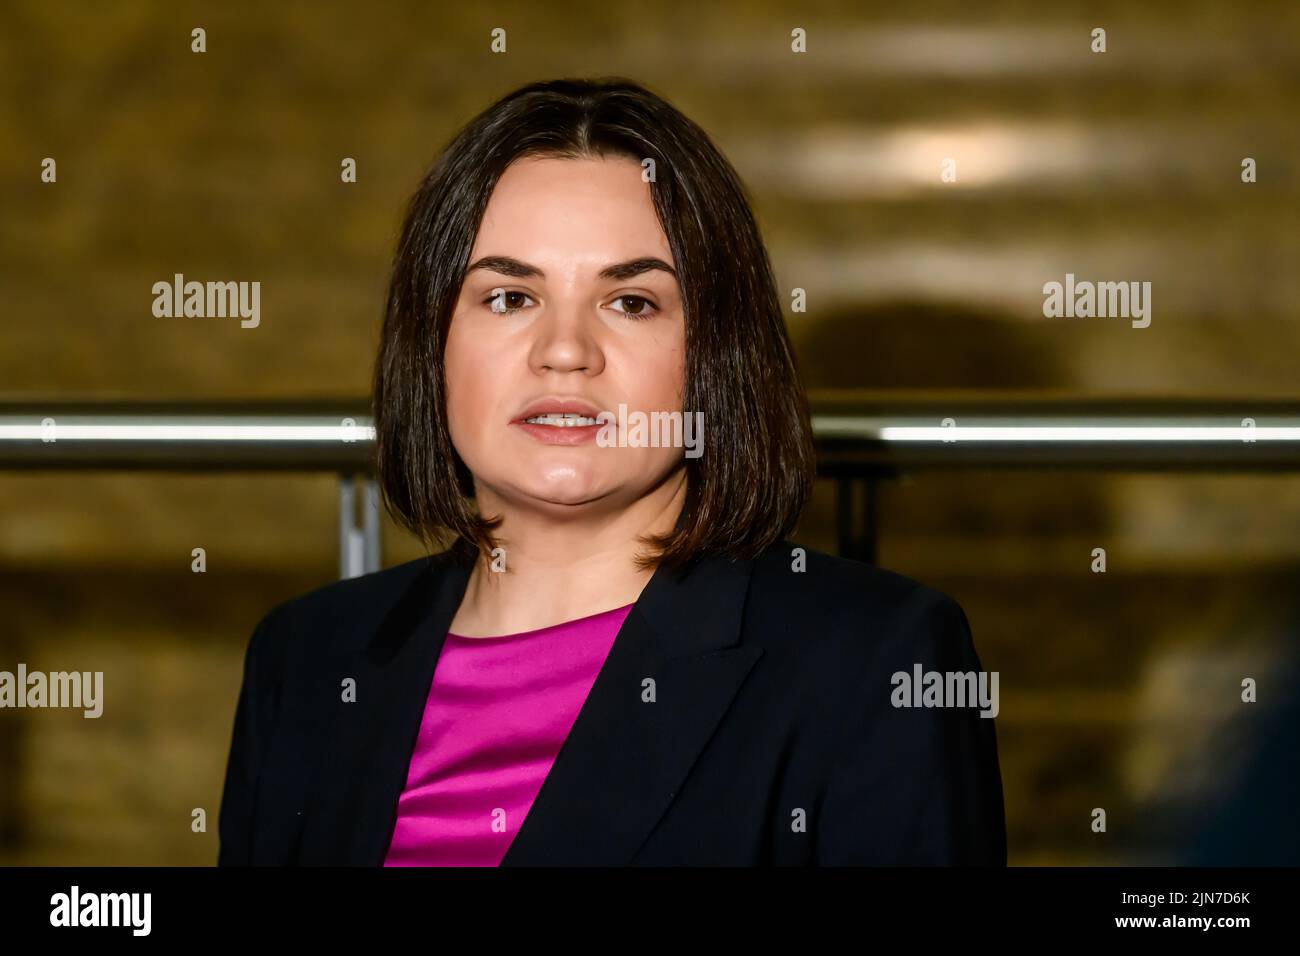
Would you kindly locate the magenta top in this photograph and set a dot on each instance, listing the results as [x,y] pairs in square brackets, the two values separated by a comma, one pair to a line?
[498,711]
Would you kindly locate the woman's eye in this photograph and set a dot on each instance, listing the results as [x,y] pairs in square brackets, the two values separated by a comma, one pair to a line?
[637,307]
[505,302]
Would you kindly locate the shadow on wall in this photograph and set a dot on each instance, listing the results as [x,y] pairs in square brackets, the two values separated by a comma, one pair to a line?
[920,345]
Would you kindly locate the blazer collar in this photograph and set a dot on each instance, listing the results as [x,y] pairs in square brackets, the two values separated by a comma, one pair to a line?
[625,757]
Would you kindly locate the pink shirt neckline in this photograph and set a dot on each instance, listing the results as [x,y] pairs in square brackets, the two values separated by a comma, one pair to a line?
[495,718]
[563,625]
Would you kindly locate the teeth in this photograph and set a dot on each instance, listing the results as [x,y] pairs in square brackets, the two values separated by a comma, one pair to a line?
[562,421]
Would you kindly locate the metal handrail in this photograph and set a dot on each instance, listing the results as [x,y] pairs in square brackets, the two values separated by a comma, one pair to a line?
[187,436]
[861,438]
[854,432]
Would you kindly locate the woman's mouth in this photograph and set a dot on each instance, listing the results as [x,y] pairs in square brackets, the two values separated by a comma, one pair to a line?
[561,421]
[561,428]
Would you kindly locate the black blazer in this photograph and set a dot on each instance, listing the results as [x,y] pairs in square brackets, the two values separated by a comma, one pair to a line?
[771,739]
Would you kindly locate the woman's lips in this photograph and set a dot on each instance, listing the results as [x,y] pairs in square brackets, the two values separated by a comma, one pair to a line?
[560,434]
[559,408]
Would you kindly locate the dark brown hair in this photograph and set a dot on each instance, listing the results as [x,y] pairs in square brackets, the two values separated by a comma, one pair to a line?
[747,489]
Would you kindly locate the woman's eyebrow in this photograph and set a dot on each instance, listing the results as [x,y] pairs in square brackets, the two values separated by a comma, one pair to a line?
[636,267]
[509,266]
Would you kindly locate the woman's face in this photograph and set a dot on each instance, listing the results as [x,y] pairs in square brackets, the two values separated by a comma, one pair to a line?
[551,312]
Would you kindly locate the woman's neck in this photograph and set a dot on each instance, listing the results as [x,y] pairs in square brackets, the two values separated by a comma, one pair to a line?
[551,570]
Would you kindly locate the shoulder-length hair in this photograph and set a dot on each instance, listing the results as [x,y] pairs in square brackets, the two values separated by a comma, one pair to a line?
[747,489]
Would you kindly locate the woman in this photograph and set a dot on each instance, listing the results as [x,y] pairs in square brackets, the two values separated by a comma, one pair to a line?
[622,659]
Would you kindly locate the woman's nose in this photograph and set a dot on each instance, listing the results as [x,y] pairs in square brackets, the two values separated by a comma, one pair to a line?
[566,341]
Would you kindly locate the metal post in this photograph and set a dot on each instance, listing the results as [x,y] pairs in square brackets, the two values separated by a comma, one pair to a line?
[370,523]
[870,519]
[857,516]
[359,551]
[348,566]
[844,515]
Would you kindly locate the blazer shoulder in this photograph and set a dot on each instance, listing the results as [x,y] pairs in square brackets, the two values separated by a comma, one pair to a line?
[822,584]
[347,611]
[816,608]
[364,589]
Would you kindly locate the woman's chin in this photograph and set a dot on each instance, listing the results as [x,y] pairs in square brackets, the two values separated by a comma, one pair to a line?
[562,498]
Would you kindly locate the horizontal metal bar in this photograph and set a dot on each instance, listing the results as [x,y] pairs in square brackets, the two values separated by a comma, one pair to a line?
[298,437]
[855,434]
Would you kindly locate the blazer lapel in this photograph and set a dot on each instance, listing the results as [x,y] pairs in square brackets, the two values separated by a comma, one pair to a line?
[622,761]
[625,757]
[352,812]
